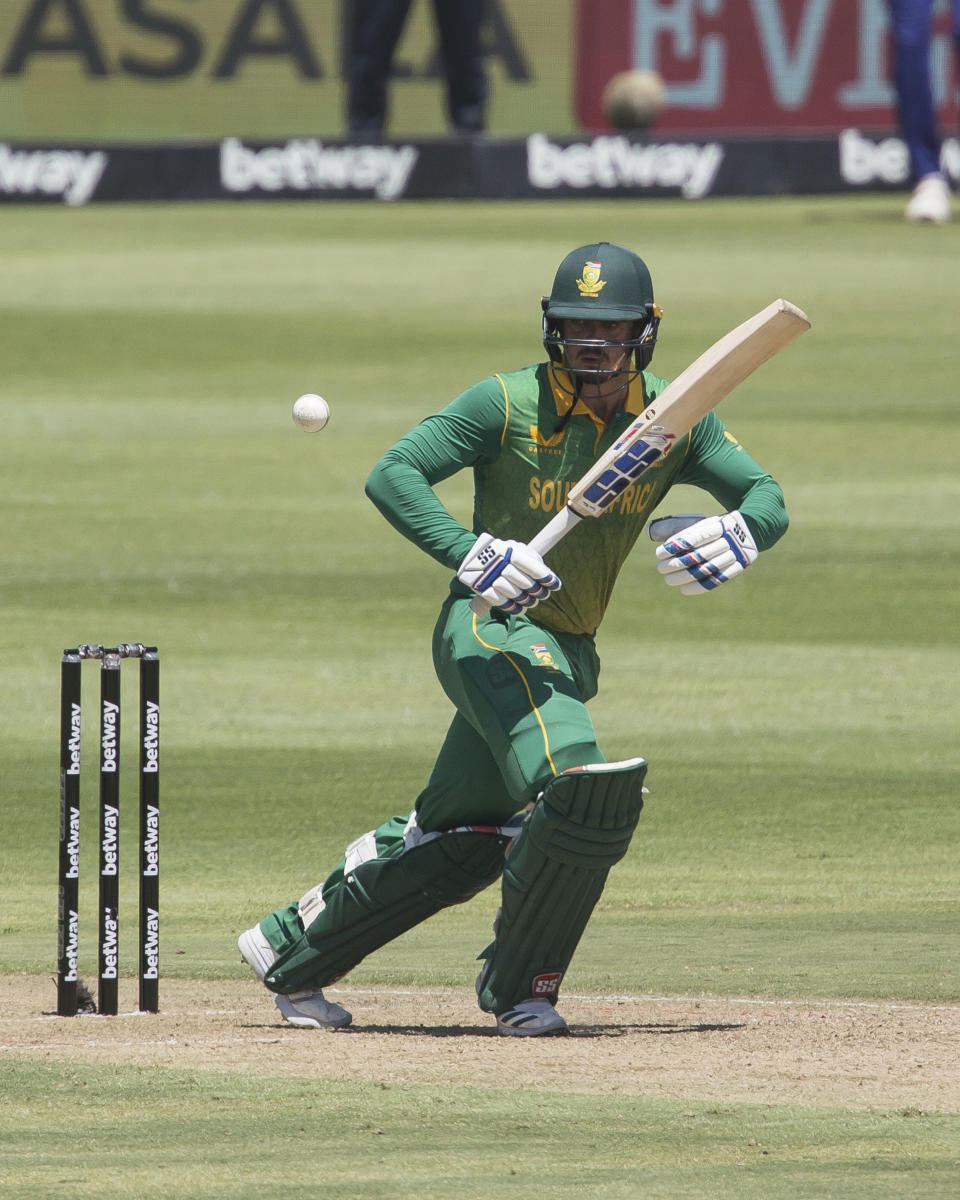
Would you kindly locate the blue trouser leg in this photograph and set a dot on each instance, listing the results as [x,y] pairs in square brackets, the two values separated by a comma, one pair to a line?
[912,25]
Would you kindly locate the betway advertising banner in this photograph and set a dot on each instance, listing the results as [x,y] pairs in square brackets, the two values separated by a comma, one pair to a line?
[540,166]
[742,66]
[125,100]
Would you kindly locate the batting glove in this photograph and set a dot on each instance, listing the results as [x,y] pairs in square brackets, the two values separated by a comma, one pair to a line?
[707,554]
[508,575]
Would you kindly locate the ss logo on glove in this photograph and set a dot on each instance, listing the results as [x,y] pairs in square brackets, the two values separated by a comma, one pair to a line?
[706,554]
[508,575]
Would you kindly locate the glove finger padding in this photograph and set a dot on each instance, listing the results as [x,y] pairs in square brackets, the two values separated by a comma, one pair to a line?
[707,554]
[530,562]
[507,574]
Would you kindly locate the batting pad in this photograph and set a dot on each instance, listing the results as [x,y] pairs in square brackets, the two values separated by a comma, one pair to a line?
[580,826]
[381,898]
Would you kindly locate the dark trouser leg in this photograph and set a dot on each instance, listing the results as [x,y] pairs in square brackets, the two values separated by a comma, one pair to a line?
[372,30]
[458,23]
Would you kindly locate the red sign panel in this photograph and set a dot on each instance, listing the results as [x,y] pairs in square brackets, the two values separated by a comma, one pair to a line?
[755,65]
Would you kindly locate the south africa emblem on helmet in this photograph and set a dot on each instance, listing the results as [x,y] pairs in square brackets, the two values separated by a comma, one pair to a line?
[591,284]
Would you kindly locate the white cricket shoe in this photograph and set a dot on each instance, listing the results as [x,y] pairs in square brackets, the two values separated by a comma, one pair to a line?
[930,201]
[305,1010]
[530,1018]
[311,1010]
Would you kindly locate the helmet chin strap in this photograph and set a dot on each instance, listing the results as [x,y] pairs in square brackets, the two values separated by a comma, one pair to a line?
[561,373]
[596,376]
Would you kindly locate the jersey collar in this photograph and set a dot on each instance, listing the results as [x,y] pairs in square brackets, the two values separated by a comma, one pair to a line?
[564,401]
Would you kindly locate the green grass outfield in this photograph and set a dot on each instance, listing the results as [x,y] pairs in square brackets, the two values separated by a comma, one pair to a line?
[129,1133]
[800,837]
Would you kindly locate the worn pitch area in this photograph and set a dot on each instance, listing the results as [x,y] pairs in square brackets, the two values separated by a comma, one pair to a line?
[841,1053]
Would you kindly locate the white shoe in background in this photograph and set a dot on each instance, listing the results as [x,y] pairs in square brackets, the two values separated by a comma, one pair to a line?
[930,201]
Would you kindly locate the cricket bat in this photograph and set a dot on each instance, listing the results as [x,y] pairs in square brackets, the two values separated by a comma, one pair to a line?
[680,405]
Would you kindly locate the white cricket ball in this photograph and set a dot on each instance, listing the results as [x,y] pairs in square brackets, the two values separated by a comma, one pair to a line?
[311,412]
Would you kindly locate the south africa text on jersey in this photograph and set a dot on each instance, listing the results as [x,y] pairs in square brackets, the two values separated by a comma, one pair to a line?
[550,495]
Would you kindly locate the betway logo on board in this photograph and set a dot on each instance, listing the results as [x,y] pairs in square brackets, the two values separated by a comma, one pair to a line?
[865,160]
[616,162]
[306,165]
[71,174]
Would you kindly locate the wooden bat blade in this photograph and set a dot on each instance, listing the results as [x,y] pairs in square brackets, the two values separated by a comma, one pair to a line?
[694,392]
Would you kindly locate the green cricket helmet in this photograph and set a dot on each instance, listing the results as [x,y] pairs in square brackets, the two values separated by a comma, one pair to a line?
[602,282]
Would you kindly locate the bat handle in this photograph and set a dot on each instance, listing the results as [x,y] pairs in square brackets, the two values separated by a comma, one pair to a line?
[542,542]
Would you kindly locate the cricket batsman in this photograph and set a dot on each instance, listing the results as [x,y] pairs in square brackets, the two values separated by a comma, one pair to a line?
[521,790]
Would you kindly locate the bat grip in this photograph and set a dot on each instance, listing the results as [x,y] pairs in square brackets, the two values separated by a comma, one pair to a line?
[542,542]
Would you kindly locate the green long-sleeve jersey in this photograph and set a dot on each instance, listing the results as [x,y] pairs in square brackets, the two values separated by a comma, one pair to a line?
[526,449]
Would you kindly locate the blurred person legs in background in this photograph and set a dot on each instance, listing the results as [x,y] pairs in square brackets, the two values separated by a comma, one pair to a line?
[373,28]
[912,22]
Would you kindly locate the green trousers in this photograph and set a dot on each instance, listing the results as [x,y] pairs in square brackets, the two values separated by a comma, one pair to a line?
[520,694]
